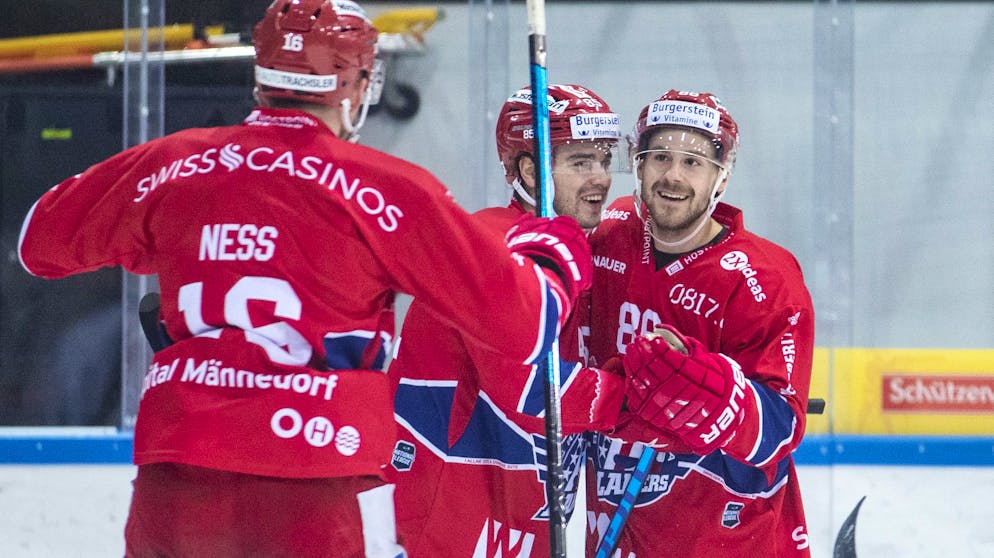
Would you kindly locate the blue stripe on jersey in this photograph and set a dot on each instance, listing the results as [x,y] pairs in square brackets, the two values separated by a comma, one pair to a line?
[548,322]
[741,478]
[532,401]
[776,427]
[344,351]
[489,435]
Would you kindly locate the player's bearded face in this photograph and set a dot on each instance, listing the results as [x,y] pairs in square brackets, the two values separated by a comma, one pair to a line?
[677,172]
[582,176]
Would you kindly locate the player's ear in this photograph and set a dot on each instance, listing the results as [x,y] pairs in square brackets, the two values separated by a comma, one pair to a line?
[720,190]
[526,172]
[358,91]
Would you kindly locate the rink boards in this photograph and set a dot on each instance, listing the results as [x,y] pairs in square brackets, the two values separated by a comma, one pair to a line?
[904,392]
[49,447]
[885,407]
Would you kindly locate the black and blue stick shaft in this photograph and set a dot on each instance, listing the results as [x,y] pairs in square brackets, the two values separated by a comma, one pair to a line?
[611,537]
[544,190]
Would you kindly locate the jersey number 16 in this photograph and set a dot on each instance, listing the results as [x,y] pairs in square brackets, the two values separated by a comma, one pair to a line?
[283,343]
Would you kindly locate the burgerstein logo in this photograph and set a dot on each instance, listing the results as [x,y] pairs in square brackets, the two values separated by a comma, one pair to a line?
[594,125]
[682,113]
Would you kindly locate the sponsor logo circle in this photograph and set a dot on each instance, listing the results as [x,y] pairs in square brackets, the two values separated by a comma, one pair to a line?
[318,432]
[286,423]
[347,440]
[735,260]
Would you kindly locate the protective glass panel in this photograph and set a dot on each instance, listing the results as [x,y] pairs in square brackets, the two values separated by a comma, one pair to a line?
[852,157]
[144,113]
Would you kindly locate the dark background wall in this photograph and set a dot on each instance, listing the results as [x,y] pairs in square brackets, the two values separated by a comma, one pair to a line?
[60,341]
[47,17]
[42,17]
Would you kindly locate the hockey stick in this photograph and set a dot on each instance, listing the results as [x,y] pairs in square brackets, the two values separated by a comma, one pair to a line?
[148,315]
[610,541]
[554,479]
[845,541]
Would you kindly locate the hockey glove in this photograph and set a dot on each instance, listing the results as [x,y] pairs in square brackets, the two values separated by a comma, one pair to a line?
[558,244]
[593,401]
[680,387]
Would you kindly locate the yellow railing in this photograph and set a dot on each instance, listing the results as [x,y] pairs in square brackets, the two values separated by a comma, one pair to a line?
[90,42]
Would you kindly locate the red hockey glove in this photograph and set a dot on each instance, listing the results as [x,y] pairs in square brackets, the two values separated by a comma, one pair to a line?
[558,244]
[633,428]
[593,401]
[694,394]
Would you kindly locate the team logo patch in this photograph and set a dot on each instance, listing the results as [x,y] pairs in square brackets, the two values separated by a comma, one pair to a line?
[674,268]
[403,456]
[573,453]
[615,463]
[730,517]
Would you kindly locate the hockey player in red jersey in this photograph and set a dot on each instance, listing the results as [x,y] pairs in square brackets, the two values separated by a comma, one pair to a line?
[726,416]
[469,463]
[279,246]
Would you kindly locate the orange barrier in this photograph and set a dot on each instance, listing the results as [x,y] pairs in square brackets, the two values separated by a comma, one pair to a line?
[75,62]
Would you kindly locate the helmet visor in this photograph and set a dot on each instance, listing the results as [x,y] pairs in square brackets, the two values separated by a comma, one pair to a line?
[688,147]
[661,161]
[587,158]
[377,78]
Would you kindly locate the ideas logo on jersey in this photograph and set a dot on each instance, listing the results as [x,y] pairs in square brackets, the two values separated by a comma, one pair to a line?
[737,260]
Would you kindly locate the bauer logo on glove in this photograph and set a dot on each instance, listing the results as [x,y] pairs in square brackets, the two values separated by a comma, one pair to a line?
[680,387]
[558,244]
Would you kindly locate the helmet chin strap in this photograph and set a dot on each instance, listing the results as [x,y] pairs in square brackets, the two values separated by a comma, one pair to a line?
[715,198]
[525,196]
[352,128]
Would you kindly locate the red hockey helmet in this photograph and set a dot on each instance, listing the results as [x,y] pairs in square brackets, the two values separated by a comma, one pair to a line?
[311,50]
[575,114]
[700,112]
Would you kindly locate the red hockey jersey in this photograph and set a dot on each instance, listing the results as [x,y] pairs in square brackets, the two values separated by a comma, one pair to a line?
[469,463]
[279,248]
[744,297]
